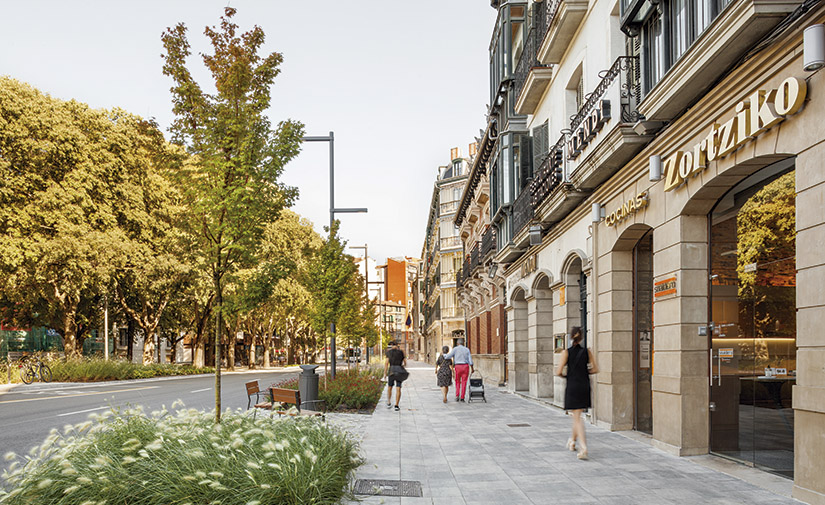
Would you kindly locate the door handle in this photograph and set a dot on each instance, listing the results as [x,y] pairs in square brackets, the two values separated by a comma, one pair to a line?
[710,368]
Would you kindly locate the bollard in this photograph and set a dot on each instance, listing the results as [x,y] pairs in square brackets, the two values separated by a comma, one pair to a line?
[308,385]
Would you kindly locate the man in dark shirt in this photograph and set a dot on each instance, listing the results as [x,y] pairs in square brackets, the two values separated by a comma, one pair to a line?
[395,359]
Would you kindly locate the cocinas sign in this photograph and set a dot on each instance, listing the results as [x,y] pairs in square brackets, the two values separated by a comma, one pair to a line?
[755,115]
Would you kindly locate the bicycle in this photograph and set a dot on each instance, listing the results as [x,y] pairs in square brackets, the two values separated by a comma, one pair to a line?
[29,371]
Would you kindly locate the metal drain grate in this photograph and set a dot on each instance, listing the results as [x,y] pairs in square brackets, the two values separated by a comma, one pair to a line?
[388,487]
[519,425]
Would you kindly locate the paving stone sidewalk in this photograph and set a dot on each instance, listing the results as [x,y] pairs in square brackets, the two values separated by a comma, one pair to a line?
[465,453]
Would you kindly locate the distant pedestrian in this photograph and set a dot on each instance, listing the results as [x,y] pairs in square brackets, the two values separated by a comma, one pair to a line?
[444,372]
[463,366]
[395,372]
[580,364]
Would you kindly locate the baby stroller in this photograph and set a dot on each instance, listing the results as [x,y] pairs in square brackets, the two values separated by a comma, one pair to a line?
[476,387]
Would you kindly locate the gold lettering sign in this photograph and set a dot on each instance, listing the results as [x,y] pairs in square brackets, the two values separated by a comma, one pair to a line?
[627,209]
[529,266]
[754,116]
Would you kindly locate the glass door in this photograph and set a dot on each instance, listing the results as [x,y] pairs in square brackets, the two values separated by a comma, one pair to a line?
[643,331]
[753,324]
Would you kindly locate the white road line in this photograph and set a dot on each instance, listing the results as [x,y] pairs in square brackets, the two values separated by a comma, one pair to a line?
[81,411]
[201,390]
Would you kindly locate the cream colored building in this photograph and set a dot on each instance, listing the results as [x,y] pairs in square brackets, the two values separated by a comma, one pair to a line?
[441,317]
[674,209]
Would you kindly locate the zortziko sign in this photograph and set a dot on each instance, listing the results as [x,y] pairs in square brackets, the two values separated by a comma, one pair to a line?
[762,110]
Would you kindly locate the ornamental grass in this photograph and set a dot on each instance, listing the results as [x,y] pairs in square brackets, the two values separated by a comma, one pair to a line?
[131,458]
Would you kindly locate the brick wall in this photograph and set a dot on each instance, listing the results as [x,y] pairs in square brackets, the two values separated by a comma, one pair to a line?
[483,332]
[498,321]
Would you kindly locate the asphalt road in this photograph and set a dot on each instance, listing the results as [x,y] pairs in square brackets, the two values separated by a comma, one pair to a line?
[28,413]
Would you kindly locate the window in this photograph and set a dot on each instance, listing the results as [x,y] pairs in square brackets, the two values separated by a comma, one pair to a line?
[668,29]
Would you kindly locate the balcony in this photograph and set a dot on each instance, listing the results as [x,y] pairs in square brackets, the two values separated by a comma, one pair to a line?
[532,77]
[448,277]
[475,258]
[602,139]
[522,211]
[450,242]
[549,174]
[563,20]
[447,208]
[450,312]
[488,242]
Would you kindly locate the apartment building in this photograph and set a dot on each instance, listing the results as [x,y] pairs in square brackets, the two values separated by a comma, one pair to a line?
[442,318]
[655,176]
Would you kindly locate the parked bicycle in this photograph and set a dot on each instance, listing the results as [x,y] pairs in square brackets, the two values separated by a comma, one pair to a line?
[32,368]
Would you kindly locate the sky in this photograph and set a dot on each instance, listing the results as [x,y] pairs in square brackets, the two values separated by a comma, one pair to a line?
[399,84]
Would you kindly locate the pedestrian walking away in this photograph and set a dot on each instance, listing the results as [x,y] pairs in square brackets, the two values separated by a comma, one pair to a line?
[444,372]
[394,370]
[580,363]
[463,366]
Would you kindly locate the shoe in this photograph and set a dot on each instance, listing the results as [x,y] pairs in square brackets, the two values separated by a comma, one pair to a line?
[582,454]
[571,445]
[445,400]
[462,399]
[389,404]
[397,408]
[456,398]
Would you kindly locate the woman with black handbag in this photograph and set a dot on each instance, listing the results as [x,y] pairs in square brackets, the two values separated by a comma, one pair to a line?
[395,372]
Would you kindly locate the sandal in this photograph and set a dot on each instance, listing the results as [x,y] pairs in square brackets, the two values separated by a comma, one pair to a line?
[571,445]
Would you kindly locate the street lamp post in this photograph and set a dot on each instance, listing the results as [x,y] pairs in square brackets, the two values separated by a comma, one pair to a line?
[332,212]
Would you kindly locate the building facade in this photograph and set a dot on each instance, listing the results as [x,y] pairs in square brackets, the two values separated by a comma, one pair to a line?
[656,176]
[441,315]
[395,306]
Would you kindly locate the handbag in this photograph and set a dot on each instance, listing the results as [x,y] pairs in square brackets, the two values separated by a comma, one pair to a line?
[399,373]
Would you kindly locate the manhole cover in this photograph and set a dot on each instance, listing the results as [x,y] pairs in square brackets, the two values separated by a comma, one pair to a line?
[388,487]
[519,425]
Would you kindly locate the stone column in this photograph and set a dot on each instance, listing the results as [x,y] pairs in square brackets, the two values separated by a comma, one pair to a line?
[517,346]
[614,392]
[540,343]
[809,391]
[680,354]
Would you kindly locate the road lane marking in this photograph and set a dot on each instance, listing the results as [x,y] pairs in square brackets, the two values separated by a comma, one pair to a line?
[81,411]
[78,394]
[201,390]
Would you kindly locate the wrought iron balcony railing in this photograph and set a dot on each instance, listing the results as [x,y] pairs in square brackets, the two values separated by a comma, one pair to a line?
[447,277]
[488,242]
[522,211]
[529,55]
[549,175]
[626,68]
[465,270]
[475,258]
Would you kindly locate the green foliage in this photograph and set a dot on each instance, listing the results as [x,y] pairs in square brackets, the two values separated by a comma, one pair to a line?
[74,188]
[350,389]
[96,369]
[232,188]
[182,457]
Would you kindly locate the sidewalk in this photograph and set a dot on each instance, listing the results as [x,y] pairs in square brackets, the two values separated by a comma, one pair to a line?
[465,453]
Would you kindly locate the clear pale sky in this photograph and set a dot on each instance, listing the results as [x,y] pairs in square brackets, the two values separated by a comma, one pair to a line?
[399,83]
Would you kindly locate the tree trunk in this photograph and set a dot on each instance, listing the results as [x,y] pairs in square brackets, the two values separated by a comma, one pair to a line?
[218,329]
[173,353]
[148,346]
[130,340]
[71,346]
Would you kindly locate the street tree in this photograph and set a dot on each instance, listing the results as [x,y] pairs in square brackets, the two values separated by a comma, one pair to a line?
[237,156]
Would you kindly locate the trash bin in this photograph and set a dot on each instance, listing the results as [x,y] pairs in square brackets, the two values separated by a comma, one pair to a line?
[308,385]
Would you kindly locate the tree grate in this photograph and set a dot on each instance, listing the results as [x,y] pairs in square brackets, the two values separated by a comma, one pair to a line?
[374,487]
[519,425]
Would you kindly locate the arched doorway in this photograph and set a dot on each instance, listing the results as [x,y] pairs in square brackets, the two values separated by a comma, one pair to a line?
[753,320]
[517,346]
[575,295]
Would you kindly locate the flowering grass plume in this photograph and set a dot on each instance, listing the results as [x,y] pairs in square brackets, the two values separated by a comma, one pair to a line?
[131,458]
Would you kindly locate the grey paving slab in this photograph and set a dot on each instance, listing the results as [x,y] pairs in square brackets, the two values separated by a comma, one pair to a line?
[464,453]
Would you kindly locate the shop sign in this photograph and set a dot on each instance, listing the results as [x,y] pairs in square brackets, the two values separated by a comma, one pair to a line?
[590,126]
[755,115]
[664,287]
[726,353]
[628,208]
[529,266]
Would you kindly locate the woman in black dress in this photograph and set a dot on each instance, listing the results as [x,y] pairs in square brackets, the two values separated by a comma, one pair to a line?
[444,372]
[580,364]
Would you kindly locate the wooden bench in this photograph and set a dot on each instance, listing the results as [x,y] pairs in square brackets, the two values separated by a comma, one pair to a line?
[282,396]
[293,397]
